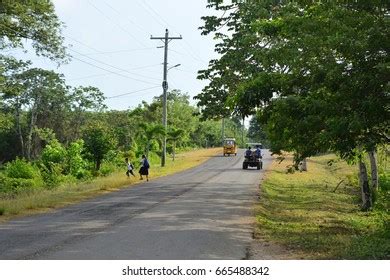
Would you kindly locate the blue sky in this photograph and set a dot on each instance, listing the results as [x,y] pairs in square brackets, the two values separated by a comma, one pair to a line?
[112,50]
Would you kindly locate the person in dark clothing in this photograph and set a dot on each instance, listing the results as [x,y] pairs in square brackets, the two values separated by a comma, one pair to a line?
[144,170]
[258,152]
[248,152]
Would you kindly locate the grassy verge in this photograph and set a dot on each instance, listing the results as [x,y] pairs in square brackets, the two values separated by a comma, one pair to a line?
[303,213]
[45,200]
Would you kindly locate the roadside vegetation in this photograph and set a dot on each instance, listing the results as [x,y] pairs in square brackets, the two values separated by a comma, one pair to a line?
[315,74]
[35,200]
[54,135]
[316,214]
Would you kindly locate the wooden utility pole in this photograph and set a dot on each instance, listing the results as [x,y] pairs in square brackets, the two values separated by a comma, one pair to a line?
[166,39]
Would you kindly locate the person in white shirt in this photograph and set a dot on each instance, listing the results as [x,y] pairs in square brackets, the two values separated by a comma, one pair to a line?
[130,168]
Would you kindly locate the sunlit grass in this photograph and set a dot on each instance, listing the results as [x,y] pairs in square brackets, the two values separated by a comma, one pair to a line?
[44,200]
[303,212]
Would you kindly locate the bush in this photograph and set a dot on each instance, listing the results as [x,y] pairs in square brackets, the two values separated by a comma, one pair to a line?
[107,169]
[75,163]
[15,185]
[52,174]
[20,168]
[114,158]
[54,152]
[83,174]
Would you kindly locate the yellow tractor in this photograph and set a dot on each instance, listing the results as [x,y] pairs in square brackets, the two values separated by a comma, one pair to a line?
[229,146]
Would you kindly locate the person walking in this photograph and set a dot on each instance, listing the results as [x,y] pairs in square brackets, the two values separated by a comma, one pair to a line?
[144,170]
[130,168]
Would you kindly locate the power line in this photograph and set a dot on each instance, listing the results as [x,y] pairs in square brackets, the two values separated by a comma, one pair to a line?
[109,19]
[183,54]
[91,64]
[132,92]
[81,43]
[190,51]
[112,72]
[106,74]
[155,19]
[120,51]
[112,66]
[126,17]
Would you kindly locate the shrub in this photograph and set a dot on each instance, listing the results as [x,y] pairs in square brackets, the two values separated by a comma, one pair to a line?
[83,174]
[52,174]
[54,152]
[75,163]
[15,185]
[108,168]
[115,158]
[20,168]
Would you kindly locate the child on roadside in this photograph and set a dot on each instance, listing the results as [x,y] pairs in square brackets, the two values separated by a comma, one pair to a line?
[130,168]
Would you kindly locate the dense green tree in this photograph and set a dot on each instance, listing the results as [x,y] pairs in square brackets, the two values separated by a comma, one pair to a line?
[174,135]
[98,142]
[256,132]
[151,132]
[34,20]
[331,56]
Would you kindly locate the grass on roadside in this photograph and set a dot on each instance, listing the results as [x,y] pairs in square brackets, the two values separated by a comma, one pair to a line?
[44,200]
[302,212]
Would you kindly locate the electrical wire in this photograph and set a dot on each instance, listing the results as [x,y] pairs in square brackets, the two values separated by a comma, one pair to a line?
[126,17]
[115,23]
[106,74]
[120,51]
[112,66]
[112,72]
[156,15]
[132,92]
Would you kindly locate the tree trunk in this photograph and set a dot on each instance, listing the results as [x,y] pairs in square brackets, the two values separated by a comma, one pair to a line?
[98,163]
[173,150]
[243,131]
[364,186]
[374,170]
[34,115]
[147,149]
[19,128]
[304,165]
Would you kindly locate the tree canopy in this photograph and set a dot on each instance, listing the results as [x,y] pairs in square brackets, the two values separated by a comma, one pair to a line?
[34,20]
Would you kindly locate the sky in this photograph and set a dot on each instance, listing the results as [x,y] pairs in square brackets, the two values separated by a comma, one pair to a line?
[110,43]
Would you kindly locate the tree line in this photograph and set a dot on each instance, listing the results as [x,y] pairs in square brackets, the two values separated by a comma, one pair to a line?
[315,74]
[51,132]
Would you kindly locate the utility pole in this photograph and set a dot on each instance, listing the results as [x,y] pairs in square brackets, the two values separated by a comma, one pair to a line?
[243,130]
[223,130]
[166,39]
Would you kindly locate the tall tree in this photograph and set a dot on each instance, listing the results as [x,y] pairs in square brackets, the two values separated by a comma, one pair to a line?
[150,132]
[98,142]
[332,52]
[35,21]
[174,135]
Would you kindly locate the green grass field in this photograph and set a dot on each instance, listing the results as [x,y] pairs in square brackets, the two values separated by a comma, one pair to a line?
[44,200]
[304,214]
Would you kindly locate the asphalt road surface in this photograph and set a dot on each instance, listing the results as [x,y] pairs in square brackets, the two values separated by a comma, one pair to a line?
[202,213]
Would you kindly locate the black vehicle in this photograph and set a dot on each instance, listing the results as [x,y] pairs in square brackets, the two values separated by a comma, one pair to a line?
[252,159]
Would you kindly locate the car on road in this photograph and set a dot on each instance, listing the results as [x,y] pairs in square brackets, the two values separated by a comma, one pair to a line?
[253,160]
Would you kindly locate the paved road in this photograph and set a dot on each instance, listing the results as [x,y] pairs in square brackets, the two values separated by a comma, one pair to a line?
[202,213]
